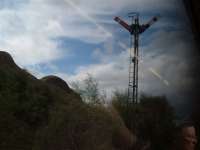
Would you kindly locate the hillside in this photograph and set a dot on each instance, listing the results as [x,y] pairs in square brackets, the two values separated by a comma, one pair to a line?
[39,114]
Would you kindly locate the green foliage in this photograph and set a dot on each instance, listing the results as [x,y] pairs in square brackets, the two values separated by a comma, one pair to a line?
[36,116]
[76,126]
[158,124]
[152,119]
[89,90]
[24,105]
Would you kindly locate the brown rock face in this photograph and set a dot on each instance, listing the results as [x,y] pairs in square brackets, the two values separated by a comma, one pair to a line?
[56,81]
[6,59]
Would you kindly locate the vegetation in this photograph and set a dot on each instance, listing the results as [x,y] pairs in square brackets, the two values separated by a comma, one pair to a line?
[38,114]
[89,90]
[24,106]
[152,119]
[46,114]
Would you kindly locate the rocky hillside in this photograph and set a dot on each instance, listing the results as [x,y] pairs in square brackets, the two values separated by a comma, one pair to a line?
[39,114]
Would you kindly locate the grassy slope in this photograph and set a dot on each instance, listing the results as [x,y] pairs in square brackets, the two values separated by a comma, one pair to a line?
[35,115]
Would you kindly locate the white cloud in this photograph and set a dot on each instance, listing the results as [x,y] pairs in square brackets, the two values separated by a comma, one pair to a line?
[127,5]
[169,55]
[29,34]
[27,28]
[24,36]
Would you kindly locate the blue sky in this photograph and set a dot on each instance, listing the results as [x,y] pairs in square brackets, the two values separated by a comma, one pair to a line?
[71,38]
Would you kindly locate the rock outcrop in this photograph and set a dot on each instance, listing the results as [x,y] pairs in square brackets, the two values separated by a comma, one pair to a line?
[56,81]
[6,59]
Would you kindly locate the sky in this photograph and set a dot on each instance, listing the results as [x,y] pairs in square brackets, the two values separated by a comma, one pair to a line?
[71,38]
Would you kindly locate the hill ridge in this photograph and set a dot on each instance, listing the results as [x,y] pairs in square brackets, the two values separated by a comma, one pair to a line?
[6,59]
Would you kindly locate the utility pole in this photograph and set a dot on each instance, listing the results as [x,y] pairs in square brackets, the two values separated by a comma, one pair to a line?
[135,29]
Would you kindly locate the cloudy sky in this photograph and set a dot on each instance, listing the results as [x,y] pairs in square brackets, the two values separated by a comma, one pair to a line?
[71,38]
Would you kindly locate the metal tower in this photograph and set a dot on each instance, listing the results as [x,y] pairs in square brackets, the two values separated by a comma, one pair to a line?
[135,29]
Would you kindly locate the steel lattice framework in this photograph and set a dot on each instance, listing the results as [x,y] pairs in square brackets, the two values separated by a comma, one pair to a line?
[135,29]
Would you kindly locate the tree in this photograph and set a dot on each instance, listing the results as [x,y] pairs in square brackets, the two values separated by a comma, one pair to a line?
[89,90]
[152,119]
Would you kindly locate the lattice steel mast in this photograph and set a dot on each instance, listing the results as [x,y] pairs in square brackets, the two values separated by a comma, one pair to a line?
[135,29]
